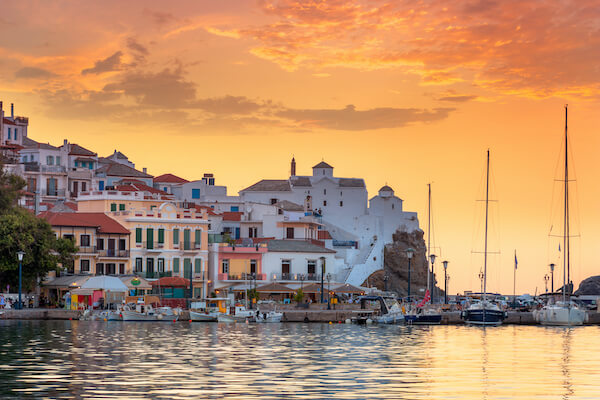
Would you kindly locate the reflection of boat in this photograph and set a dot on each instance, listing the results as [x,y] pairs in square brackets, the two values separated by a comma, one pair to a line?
[389,311]
[140,312]
[486,311]
[563,312]
[269,316]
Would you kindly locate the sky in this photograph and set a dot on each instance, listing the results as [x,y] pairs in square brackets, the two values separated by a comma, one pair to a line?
[403,93]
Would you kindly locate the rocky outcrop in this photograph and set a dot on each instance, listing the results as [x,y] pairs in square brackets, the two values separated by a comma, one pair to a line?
[589,286]
[396,266]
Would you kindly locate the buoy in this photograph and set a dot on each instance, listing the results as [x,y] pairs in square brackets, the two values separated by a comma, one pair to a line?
[190,320]
[105,319]
[70,319]
[174,320]
[330,322]
[348,321]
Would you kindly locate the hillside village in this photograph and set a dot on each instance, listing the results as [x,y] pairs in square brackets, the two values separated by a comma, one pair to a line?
[126,222]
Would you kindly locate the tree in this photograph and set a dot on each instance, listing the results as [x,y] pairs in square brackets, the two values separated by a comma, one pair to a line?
[21,230]
[299,296]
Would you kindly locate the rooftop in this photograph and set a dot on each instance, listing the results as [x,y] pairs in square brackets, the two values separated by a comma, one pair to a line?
[170,178]
[77,150]
[98,220]
[268,185]
[115,169]
[323,164]
[296,246]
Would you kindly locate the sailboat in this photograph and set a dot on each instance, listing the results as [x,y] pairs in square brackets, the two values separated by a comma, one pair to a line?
[425,313]
[485,312]
[563,312]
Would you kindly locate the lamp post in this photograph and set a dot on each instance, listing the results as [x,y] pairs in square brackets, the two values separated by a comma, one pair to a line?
[432,258]
[328,291]
[409,255]
[445,281]
[20,255]
[552,276]
[546,279]
[322,276]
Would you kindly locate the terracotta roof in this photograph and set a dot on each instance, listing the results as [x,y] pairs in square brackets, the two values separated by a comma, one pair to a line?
[324,235]
[270,185]
[351,182]
[209,210]
[101,221]
[30,143]
[115,169]
[348,288]
[323,164]
[134,185]
[8,121]
[296,246]
[171,281]
[170,178]
[118,155]
[77,150]
[274,287]
[232,215]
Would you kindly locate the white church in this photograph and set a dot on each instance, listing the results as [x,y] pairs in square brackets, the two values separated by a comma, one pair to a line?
[359,227]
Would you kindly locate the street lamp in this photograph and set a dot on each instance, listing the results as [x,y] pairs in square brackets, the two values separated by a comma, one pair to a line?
[445,281]
[546,279]
[432,258]
[552,276]
[409,254]
[322,276]
[328,291]
[20,255]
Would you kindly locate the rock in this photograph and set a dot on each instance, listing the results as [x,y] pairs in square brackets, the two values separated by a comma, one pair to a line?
[396,266]
[589,286]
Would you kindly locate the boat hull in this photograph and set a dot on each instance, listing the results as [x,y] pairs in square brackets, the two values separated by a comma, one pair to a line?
[232,318]
[426,319]
[484,317]
[135,316]
[203,317]
[560,316]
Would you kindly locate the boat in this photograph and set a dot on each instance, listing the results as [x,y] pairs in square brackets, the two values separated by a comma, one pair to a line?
[486,311]
[240,314]
[168,313]
[269,316]
[426,315]
[109,315]
[203,316]
[564,312]
[389,311]
[140,312]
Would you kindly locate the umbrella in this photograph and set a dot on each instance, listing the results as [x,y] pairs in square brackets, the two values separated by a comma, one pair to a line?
[274,288]
[109,283]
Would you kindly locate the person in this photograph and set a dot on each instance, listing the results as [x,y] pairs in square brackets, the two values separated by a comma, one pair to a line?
[2,301]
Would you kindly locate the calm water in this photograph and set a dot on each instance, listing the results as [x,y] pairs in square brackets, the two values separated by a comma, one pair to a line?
[96,359]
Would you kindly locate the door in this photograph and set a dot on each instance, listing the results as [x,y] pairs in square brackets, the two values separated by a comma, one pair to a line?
[111,247]
[75,188]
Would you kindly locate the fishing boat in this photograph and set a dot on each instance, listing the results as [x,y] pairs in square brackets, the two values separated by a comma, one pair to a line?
[563,312]
[486,311]
[204,316]
[240,314]
[269,316]
[389,311]
[140,312]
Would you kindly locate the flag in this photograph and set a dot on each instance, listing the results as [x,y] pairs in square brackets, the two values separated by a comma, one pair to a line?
[516,262]
[425,299]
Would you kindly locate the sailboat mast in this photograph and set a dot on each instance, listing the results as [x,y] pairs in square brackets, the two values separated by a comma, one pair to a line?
[487,192]
[428,236]
[566,261]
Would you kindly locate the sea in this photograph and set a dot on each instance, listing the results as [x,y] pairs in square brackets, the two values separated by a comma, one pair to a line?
[166,360]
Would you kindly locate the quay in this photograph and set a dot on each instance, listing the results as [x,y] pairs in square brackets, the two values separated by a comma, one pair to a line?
[289,315]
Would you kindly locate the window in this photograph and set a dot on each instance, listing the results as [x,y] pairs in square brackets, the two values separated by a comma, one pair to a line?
[84,241]
[235,208]
[176,236]
[16,132]
[84,186]
[165,189]
[252,232]
[138,235]
[186,239]
[70,237]
[9,133]
[324,203]
[198,238]
[122,244]
[121,206]
[161,235]
[341,193]
[49,160]
[138,265]
[285,267]
[161,265]
[392,206]
[253,264]
[273,201]
[311,266]
[84,265]
[100,269]
[324,192]
[211,181]
[57,159]
[113,207]
[176,265]
[100,244]
[195,193]
[187,267]
[149,238]
[51,187]
[341,204]
[289,233]
[101,185]
[121,269]
[225,266]
[149,265]
[197,265]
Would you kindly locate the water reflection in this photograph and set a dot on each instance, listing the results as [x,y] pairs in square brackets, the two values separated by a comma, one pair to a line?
[57,359]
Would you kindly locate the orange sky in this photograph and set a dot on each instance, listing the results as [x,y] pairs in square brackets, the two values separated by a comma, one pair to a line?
[397,92]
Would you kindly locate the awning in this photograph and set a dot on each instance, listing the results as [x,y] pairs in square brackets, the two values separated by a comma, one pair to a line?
[67,282]
[171,281]
[105,282]
[83,292]
[348,288]
[274,287]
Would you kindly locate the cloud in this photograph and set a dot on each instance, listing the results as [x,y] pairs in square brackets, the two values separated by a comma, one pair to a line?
[112,63]
[350,119]
[229,105]
[34,73]
[136,47]
[458,98]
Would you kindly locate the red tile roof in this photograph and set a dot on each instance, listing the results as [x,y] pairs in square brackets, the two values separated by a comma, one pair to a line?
[324,235]
[170,178]
[101,221]
[133,185]
[171,281]
[209,210]
[8,121]
[232,215]
[77,150]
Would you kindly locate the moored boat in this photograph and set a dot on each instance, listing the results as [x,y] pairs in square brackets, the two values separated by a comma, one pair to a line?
[203,316]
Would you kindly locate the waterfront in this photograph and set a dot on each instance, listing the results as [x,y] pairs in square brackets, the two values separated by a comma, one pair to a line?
[96,359]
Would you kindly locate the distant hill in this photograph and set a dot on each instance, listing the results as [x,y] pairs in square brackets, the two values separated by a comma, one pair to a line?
[589,286]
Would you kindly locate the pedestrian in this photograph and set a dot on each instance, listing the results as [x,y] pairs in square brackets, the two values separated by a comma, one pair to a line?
[2,301]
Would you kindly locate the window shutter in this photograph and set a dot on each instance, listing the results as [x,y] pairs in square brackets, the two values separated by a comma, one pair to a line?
[150,238]
[138,235]
[175,236]
[176,265]
[198,265]
[198,238]
[161,235]
[113,207]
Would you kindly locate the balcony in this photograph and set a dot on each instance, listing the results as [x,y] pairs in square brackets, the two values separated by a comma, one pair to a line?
[158,275]
[113,253]
[242,277]
[87,250]
[36,167]
[54,192]
[151,246]
[190,246]
[296,277]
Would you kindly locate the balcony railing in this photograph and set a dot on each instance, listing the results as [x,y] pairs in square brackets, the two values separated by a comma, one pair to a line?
[113,253]
[242,277]
[87,249]
[36,167]
[296,277]
[152,245]
[190,246]
[55,192]
[158,275]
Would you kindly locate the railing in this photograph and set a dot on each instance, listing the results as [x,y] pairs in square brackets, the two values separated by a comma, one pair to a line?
[55,192]
[242,277]
[345,243]
[87,249]
[295,277]
[36,167]
[151,245]
[190,246]
[217,238]
[113,253]
[158,275]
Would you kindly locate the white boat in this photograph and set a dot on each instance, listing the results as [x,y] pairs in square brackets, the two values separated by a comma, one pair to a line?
[269,316]
[109,315]
[168,313]
[204,316]
[240,315]
[389,311]
[140,312]
[565,312]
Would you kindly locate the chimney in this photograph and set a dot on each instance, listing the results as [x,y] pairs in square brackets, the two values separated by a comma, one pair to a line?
[65,142]
[145,170]
[12,110]
[293,166]
[0,106]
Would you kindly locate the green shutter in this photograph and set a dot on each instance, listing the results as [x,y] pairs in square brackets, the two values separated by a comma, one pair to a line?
[121,207]
[187,267]
[198,238]
[198,265]
[150,238]
[161,235]
[113,207]
[176,265]
[138,235]
[186,239]
[175,236]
